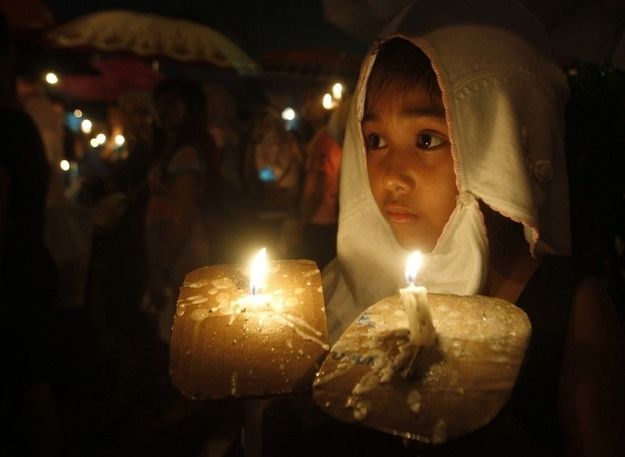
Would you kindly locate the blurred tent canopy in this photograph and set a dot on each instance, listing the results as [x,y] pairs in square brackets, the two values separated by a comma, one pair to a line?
[581,30]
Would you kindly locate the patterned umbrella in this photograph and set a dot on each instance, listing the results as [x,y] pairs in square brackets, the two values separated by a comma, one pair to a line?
[154,36]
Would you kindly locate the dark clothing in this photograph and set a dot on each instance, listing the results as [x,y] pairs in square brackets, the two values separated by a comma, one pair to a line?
[546,300]
[27,283]
[119,265]
[27,271]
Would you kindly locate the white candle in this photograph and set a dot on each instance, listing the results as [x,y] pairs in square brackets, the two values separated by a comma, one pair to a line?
[415,302]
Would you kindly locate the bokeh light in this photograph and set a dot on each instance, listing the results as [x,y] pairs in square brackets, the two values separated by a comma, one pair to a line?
[288,114]
[51,78]
[86,126]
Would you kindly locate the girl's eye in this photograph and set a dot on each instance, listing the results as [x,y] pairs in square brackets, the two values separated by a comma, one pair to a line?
[375,141]
[429,140]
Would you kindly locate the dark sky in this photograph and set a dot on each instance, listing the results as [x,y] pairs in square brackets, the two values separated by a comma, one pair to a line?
[257,26]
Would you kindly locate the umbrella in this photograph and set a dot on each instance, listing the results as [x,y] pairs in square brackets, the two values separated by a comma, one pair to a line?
[153,36]
[117,75]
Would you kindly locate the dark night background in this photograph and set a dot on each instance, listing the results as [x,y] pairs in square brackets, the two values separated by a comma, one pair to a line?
[591,49]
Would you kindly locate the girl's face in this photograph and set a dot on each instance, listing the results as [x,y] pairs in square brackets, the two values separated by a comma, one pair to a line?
[411,171]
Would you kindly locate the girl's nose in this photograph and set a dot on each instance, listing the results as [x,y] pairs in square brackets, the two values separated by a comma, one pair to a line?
[397,177]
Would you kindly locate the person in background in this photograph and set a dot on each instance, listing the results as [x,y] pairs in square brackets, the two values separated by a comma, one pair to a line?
[29,417]
[224,128]
[274,161]
[273,173]
[313,231]
[48,116]
[118,273]
[184,206]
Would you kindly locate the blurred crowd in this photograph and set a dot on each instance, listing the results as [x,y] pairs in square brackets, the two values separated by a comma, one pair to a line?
[106,226]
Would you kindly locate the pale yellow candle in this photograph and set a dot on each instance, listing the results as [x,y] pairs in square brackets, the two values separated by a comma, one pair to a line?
[414,299]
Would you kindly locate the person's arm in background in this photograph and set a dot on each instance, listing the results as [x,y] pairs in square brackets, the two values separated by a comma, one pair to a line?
[592,390]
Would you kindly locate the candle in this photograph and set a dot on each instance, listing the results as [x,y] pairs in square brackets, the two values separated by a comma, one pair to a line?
[248,330]
[373,375]
[415,302]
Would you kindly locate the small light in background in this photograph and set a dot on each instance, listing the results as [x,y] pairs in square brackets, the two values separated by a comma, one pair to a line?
[337,91]
[94,142]
[327,102]
[119,139]
[86,126]
[64,165]
[77,113]
[573,71]
[51,78]
[288,114]
[101,138]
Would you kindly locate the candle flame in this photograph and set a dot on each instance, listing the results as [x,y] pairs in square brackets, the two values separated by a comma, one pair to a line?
[413,264]
[258,271]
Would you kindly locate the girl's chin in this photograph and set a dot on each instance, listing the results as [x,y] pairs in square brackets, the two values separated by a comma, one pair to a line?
[410,243]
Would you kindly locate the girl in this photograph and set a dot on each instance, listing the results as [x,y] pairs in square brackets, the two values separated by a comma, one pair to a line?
[455,147]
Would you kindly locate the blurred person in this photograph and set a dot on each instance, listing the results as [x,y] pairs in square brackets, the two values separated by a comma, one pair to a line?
[273,170]
[185,202]
[48,117]
[29,415]
[314,116]
[313,232]
[274,162]
[225,130]
[118,271]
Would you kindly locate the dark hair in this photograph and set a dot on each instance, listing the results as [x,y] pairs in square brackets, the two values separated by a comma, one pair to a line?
[193,129]
[190,92]
[401,64]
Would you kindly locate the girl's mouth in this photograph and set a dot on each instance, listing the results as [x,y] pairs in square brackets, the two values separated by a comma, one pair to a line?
[399,215]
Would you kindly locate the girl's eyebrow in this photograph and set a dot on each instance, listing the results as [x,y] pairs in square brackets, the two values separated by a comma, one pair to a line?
[410,111]
[423,111]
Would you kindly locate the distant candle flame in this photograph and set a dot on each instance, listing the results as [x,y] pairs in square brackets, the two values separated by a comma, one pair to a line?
[258,272]
[413,264]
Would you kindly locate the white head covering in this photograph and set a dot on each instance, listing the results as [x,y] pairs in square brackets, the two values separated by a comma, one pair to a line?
[504,99]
